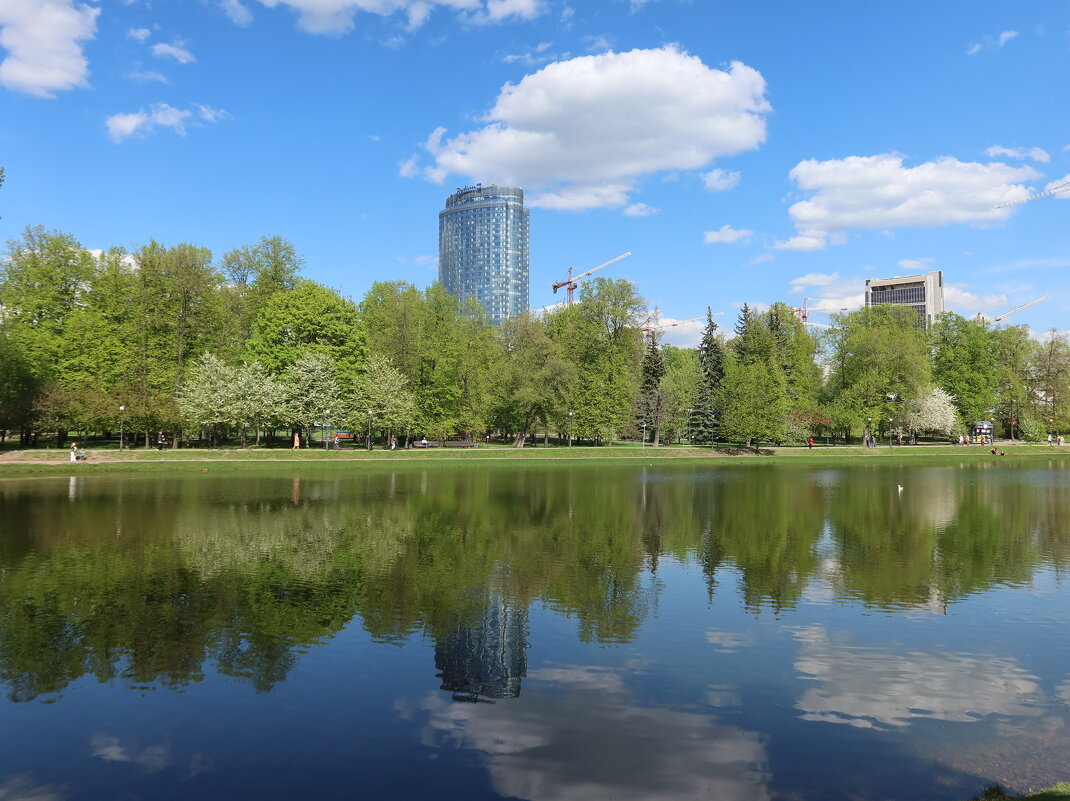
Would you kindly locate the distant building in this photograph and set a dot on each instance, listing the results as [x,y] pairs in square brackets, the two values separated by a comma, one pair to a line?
[483,249]
[923,293]
[485,658]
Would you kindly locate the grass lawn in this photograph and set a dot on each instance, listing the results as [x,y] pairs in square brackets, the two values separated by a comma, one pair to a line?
[110,459]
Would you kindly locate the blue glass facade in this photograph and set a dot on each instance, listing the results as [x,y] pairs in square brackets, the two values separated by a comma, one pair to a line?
[483,249]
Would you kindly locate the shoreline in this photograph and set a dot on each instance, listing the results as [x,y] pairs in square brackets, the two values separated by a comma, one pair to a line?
[53,461]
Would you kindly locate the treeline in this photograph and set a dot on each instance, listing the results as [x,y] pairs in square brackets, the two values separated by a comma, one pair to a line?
[242,347]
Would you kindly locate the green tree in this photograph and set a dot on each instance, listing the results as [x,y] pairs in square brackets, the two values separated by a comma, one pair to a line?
[880,361]
[1013,350]
[309,318]
[1051,375]
[680,386]
[651,402]
[254,274]
[704,412]
[179,316]
[381,397]
[964,365]
[600,335]
[17,385]
[533,380]
[43,282]
[753,401]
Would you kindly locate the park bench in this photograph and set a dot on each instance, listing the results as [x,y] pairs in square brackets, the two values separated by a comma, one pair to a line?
[459,443]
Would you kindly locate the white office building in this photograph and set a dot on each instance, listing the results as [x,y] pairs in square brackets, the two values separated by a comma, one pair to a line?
[923,293]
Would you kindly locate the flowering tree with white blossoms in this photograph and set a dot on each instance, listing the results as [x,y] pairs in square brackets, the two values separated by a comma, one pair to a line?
[932,412]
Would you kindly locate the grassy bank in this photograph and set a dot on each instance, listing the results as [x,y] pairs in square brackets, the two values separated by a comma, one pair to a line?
[57,461]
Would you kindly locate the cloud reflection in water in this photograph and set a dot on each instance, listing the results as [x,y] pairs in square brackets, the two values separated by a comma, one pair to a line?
[874,686]
[576,737]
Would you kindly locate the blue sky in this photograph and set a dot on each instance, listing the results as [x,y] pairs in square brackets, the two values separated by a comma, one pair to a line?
[749,151]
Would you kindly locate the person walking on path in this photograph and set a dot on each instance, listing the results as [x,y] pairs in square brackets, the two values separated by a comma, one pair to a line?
[159,440]
[74,451]
[810,443]
[297,441]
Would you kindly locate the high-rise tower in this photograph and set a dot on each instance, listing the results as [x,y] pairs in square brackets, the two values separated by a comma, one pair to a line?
[483,249]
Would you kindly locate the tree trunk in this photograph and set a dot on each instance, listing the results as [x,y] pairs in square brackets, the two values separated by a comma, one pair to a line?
[244,432]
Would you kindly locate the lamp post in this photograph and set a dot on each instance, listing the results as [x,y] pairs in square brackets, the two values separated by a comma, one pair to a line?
[570,429]
[644,433]
[122,425]
[889,432]
[369,429]
[689,411]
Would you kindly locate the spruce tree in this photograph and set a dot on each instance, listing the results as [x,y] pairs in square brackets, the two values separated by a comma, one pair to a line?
[651,398]
[703,421]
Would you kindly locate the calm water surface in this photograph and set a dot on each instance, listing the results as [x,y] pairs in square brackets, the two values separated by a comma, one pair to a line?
[538,632]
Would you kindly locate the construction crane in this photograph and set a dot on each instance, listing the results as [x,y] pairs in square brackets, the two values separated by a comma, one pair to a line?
[571,282]
[648,329]
[803,312]
[984,318]
[1055,190]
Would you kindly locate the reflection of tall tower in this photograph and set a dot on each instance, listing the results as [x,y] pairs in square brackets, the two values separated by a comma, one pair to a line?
[487,659]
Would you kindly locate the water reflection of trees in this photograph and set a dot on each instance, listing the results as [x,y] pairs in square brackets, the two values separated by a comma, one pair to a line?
[147,580]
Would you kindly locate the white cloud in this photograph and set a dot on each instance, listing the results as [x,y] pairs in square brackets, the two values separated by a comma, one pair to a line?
[147,76]
[571,131]
[727,234]
[123,126]
[803,243]
[720,180]
[919,265]
[138,34]
[42,39]
[757,307]
[640,210]
[177,51]
[957,298]
[991,42]
[1006,36]
[875,192]
[800,284]
[1021,153]
[236,12]
[761,258]
[209,114]
[337,16]
[836,293]
[501,10]
[1057,183]
[536,56]
[683,333]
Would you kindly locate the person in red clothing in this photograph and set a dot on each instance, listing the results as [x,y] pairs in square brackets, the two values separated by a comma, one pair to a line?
[810,443]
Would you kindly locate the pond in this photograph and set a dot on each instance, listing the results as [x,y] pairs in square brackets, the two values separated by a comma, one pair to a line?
[528,631]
